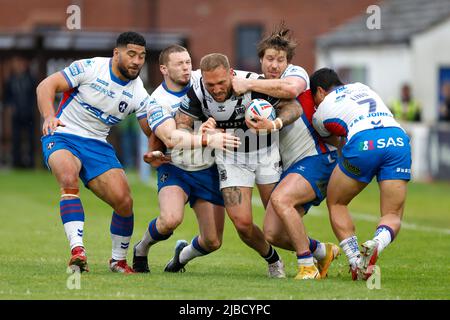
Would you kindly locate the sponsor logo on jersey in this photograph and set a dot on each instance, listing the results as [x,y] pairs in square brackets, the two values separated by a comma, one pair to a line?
[155,114]
[129,95]
[231,124]
[76,68]
[103,82]
[381,143]
[379,114]
[391,142]
[340,98]
[376,124]
[366,145]
[103,90]
[340,89]
[107,119]
[356,120]
[221,108]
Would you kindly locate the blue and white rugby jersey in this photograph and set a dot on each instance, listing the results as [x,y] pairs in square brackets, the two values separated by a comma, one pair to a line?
[163,105]
[350,109]
[98,99]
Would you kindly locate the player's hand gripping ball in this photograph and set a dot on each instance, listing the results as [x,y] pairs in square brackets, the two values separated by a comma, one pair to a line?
[260,107]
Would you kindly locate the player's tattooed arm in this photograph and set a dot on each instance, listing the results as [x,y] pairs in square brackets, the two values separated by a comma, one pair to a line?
[289,111]
[184,121]
[232,196]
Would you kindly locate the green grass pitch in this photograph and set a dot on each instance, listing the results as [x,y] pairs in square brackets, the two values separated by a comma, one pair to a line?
[34,251]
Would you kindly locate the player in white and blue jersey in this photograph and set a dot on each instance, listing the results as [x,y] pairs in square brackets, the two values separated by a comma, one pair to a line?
[189,177]
[307,160]
[376,145]
[98,94]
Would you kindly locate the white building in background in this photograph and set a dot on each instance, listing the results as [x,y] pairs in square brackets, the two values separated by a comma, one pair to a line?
[412,46]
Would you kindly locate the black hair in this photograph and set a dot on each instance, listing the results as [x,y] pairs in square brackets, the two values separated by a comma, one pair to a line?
[130,37]
[325,78]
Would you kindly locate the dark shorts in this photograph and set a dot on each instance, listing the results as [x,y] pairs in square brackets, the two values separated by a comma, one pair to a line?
[202,184]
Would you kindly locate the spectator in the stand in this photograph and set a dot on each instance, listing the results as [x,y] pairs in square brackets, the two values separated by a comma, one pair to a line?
[20,97]
[445,104]
[406,108]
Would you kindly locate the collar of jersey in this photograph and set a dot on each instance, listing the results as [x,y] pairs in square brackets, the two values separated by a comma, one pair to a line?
[113,76]
[176,93]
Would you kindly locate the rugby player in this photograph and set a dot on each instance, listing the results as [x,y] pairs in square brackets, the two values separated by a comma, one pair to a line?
[376,145]
[192,176]
[98,94]
[307,160]
[257,160]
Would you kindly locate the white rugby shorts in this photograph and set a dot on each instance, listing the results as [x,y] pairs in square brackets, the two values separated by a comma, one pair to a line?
[246,169]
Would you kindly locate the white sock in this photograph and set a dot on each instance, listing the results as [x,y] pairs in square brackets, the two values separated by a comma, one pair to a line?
[306,260]
[120,246]
[351,248]
[74,233]
[320,251]
[383,237]
[144,245]
[188,253]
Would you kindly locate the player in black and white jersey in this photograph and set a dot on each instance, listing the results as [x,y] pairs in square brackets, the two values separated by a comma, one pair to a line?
[256,160]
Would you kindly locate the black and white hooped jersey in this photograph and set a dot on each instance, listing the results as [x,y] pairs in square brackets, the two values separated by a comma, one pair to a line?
[230,114]
[98,99]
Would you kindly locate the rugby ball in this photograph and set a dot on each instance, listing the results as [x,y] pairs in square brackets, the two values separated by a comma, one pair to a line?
[260,107]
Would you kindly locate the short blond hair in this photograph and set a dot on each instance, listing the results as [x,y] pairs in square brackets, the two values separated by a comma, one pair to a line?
[213,61]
